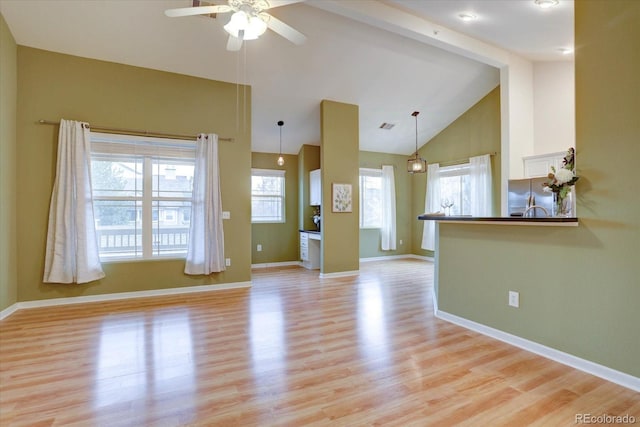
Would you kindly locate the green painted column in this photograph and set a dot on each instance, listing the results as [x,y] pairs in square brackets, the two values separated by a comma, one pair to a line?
[339,156]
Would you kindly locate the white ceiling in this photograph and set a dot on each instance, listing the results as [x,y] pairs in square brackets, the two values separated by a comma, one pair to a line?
[387,74]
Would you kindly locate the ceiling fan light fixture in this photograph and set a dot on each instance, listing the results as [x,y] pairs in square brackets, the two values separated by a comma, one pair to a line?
[245,26]
[416,164]
[546,4]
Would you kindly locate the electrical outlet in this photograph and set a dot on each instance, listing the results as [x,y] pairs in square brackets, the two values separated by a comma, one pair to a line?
[227,262]
[400,241]
[226,215]
[259,248]
[514,299]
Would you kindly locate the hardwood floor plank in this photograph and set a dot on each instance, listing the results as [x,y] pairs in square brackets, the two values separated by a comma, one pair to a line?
[293,350]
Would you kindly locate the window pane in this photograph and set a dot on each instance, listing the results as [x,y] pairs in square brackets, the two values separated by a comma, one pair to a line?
[171,228]
[172,178]
[266,209]
[455,189]
[267,198]
[118,228]
[266,185]
[142,196]
[370,201]
[116,176]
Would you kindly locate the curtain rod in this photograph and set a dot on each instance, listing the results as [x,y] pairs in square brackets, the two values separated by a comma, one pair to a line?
[460,161]
[135,132]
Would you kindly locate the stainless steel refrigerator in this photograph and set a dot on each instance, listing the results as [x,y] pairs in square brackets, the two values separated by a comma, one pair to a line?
[527,192]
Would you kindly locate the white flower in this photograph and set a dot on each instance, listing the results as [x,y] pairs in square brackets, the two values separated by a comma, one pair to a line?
[563,176]
[547,189]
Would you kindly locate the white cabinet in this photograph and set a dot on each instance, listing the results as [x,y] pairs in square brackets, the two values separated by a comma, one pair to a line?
[315,188]
[310,250]
[540,165]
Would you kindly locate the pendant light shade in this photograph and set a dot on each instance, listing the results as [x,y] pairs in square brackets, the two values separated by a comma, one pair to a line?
[416,164]
[280,158]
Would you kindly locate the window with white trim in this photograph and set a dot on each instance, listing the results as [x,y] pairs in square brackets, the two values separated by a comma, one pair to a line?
[455,189]
[142,192]
[370,198]
[267,195]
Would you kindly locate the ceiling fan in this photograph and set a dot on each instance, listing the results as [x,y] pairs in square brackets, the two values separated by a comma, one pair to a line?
[249,20]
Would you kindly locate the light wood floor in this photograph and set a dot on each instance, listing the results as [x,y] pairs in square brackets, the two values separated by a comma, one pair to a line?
[294,350]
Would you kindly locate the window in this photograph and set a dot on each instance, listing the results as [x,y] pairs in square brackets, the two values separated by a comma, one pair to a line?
[455,189]
[267,195]
[142,190]
[370,198]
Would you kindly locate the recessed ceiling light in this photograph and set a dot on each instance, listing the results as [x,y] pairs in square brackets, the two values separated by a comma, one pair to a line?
[565,50]
[546,4]
[467,17]
[387,126]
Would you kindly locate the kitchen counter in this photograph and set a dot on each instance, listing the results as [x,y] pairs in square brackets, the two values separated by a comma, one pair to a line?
[503,220]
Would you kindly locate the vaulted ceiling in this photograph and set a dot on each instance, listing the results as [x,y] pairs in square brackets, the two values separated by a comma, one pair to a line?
[349,56]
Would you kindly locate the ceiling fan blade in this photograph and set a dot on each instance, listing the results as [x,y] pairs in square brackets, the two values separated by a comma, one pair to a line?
[286,31]
[234,44]
[199,10]
[278,3]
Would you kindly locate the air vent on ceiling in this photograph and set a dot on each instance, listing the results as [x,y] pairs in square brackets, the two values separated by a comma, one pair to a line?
[387,126]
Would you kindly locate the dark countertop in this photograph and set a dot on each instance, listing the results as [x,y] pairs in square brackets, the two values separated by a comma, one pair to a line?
[498,219]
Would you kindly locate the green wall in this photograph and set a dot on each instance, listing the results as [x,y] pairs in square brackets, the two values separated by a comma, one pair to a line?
[474,133]
[8,148]
[53,86]
[579,286]
[370,238]
[339,156]
[279,241]
[308,160]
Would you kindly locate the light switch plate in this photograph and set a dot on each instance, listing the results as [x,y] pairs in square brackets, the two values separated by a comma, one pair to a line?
[226,215]
[514,299]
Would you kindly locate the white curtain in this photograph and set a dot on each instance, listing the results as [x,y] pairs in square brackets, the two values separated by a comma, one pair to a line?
[388,229]
[72,254]
[480,185]
[205,254]
[431,205]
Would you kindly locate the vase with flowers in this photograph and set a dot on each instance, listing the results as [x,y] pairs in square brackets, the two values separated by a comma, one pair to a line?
[559,182]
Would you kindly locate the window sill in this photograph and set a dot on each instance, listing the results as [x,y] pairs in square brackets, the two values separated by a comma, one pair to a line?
[130,260]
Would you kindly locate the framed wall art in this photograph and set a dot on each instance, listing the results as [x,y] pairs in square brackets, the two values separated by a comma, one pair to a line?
[341,199]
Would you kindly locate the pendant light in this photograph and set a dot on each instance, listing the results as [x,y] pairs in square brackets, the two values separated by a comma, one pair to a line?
[280,158]
[416,164]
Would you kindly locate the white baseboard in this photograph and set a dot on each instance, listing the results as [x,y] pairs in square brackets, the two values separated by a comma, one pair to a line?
[9,311]
[339,274]
[402,256]
[584,365]
[422,257]
[276,264]
[127,295]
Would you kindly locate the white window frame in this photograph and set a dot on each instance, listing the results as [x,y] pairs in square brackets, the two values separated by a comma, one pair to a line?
[146,148]
[278,173]
[374,173]
[458,170]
